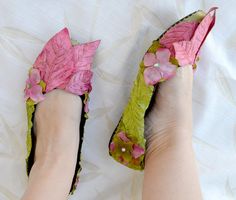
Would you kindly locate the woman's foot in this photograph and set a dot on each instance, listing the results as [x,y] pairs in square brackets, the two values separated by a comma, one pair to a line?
[170,120]
[57,121]
[170,166]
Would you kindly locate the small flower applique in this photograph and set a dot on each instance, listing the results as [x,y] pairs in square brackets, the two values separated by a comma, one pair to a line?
[126,151]
[137,151]
[158,66]
[33,88]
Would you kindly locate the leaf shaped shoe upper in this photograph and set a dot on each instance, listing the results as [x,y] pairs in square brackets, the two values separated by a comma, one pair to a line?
[178,46]
[65,66]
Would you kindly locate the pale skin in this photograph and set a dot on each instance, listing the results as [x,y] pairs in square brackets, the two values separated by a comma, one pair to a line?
[170,170]
[57,120]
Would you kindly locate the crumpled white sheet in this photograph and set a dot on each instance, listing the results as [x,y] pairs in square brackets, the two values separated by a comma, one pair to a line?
[126,28]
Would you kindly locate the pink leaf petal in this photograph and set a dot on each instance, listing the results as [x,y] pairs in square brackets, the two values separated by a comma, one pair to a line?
[59,61]
[55,47]
[182,31]
[149,59]
[80,82]
[203,29]
[151,75]
[62,73]
[55,57]
[34,76]
[123,137]
[163,55]
[186,51]
[137,151]
[84,53]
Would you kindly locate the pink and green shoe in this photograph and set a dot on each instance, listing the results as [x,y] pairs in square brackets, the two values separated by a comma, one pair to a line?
[60,65]
[178,46]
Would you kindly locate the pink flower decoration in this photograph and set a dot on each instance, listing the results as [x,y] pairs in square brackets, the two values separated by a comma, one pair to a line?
[137,151]
[123,137]
[33,90]
[112,146]
[158,66]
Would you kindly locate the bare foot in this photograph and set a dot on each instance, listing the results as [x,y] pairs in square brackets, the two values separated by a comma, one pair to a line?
[56,124]
[172,110]
[57,121]
[170,166]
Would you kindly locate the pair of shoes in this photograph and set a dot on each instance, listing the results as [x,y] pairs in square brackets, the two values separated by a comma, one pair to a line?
[66,65]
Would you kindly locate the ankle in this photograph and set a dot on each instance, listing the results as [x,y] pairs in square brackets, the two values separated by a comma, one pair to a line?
[170,137]
[49,160]
[57,145]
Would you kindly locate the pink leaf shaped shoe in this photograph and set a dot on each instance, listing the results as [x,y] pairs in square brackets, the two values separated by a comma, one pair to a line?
[60,65]
[178,46]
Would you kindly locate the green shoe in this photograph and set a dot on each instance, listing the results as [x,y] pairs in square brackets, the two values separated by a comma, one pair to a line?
[178,46]
[60,65]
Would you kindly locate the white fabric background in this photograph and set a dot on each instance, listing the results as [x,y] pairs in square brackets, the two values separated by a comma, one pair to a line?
[126,28]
